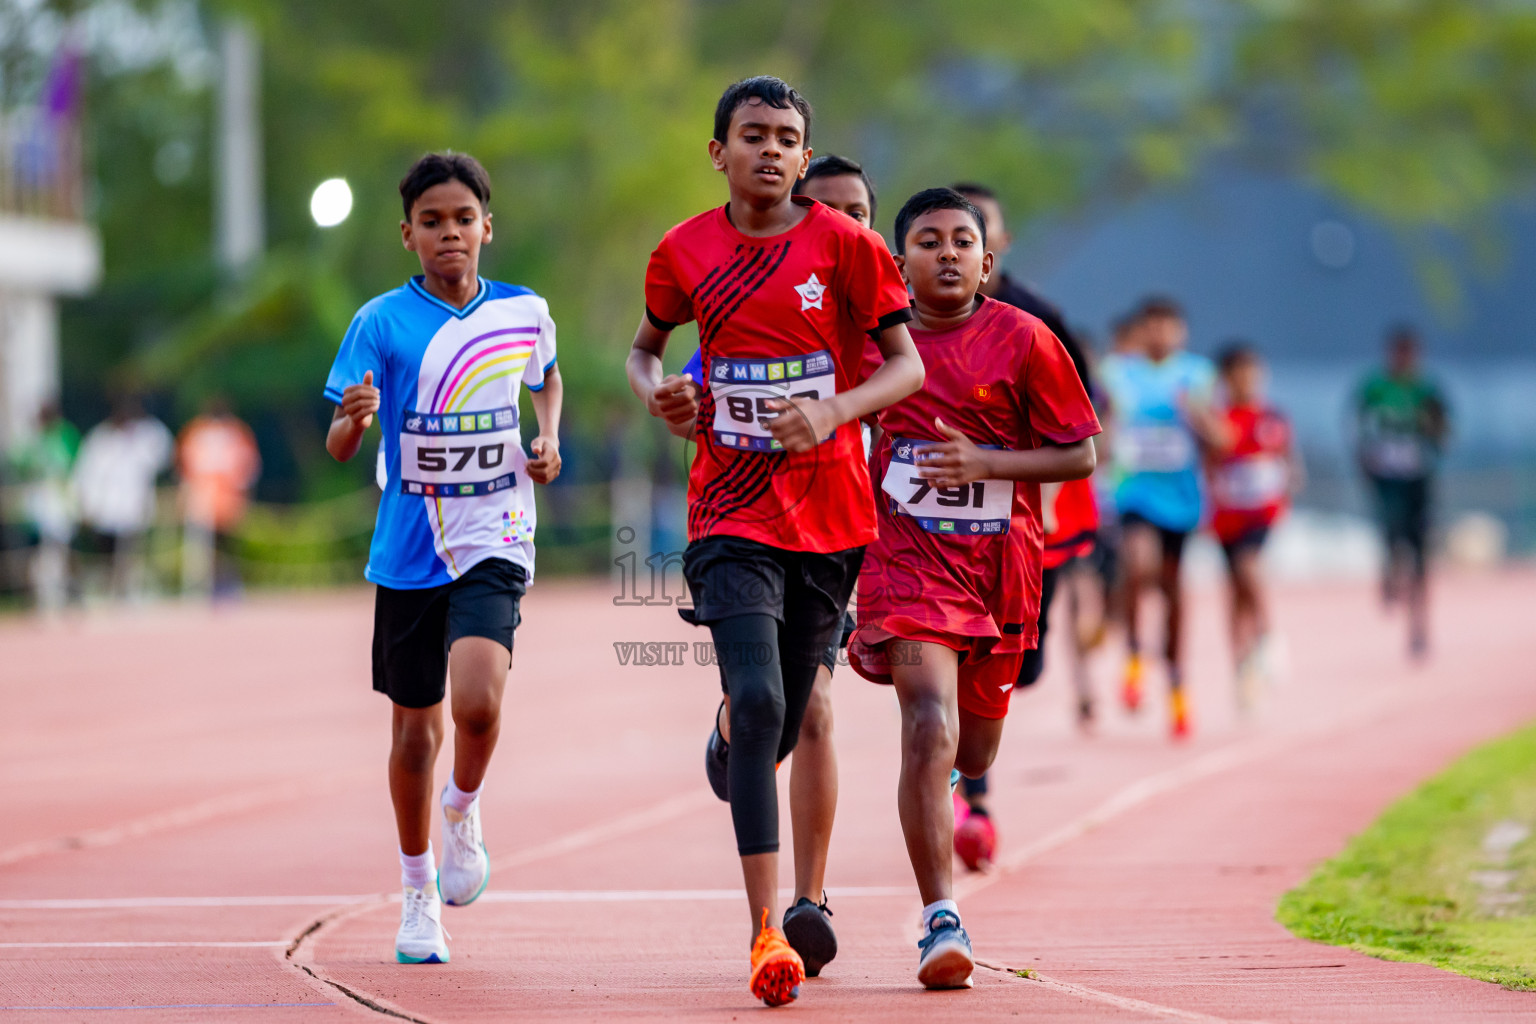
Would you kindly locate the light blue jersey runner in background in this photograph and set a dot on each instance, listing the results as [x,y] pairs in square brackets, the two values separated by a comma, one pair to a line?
[1156,453]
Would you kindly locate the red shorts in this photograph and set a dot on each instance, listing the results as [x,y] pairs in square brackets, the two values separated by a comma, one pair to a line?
[986,678]
[953,589]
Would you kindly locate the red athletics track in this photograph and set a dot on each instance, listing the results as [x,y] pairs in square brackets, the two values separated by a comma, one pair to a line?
[195,827]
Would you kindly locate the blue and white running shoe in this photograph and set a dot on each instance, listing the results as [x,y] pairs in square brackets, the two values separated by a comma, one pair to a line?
[944,954]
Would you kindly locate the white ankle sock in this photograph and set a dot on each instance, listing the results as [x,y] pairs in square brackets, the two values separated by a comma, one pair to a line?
[417,871]
[457,798]
[937,905]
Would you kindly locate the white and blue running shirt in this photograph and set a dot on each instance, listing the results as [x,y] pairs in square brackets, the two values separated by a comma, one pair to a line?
[456,490]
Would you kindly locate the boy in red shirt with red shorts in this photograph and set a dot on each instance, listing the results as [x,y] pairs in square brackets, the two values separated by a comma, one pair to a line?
[786,292]
[1252,476]
[949,593]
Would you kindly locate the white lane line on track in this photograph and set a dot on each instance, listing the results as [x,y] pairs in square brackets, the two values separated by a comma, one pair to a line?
[637,821]
[1143,790]
[191,814]
[189,943]
[1213,762]
[491,896]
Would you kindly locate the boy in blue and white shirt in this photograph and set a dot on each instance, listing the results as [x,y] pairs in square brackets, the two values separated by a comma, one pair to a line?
[440,361]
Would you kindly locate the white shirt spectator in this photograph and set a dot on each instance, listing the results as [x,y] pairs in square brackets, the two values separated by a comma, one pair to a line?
[115,474]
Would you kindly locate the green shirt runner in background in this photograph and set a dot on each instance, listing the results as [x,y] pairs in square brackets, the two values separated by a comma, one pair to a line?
[1402,423]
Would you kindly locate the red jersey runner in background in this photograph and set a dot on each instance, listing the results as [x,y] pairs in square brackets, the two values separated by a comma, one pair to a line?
[963,570]
[783,316]
[1077,523]
[1250,485]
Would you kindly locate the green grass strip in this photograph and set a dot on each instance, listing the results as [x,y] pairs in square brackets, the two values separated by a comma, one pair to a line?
[1404,888]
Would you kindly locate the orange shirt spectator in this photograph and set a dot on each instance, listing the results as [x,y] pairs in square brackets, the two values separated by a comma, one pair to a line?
[218,461]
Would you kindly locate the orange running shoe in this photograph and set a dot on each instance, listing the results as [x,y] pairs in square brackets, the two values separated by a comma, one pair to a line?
[777,969]
[1130,690]
[1179,714]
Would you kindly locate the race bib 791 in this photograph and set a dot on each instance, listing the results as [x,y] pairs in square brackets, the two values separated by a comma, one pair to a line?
[458,455]
[742,389]
[979,508]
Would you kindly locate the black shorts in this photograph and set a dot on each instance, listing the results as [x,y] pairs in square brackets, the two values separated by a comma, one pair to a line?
[1172,541]
[1033,662]
[413,629]
[1251,539]
[806,591]
[835,652]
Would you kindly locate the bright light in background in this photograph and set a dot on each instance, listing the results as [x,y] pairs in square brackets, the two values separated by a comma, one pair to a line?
[1333,244]
[331,202]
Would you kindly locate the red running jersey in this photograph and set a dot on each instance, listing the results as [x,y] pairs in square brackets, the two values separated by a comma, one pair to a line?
[1250,486]
[1077,519]
[949,563]
[785,316]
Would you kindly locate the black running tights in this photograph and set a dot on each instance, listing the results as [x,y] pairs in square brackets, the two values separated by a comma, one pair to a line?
[768,699]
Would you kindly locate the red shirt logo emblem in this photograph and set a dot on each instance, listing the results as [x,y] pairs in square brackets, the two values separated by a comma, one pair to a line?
[983,392]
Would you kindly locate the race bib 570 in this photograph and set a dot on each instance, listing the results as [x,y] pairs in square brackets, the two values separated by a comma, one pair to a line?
[458,455]
[742,389]
[979,508]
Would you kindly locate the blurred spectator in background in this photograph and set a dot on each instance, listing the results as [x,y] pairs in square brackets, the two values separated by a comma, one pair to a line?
[218,462]
[1402,422]
[42,463]
[115,482]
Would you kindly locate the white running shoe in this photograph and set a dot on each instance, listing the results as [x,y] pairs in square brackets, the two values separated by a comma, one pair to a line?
[466,867]
[422,939]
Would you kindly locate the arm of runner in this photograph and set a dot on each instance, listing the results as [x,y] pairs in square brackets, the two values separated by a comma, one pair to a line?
[1207,425]
[1298,475]
[959,461]
[1048,494]
[352,419]
[545,464]
[897,377]
[671,398]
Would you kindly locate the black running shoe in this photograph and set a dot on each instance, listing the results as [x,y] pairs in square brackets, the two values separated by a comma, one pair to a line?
[810,934]
[716,757]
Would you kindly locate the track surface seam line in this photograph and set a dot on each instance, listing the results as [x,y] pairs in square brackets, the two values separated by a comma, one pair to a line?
[666,810]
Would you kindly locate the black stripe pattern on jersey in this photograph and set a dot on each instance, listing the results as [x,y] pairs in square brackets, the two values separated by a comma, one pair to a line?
[715,300]
[722,293]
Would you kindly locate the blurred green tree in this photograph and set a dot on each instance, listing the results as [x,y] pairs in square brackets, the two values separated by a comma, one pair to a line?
[592,116]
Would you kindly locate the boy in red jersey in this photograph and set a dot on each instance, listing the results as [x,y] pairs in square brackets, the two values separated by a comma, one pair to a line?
[949,595]
[1069,515]
[1252,477]
[842,185]
[785,292]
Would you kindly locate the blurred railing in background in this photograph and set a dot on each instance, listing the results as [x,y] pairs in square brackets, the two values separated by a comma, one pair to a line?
[40,165]
[311,544]
[325,543]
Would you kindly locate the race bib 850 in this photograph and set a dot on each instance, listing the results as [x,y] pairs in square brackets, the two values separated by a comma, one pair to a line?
[458,455]
[742,389]
[979,508]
